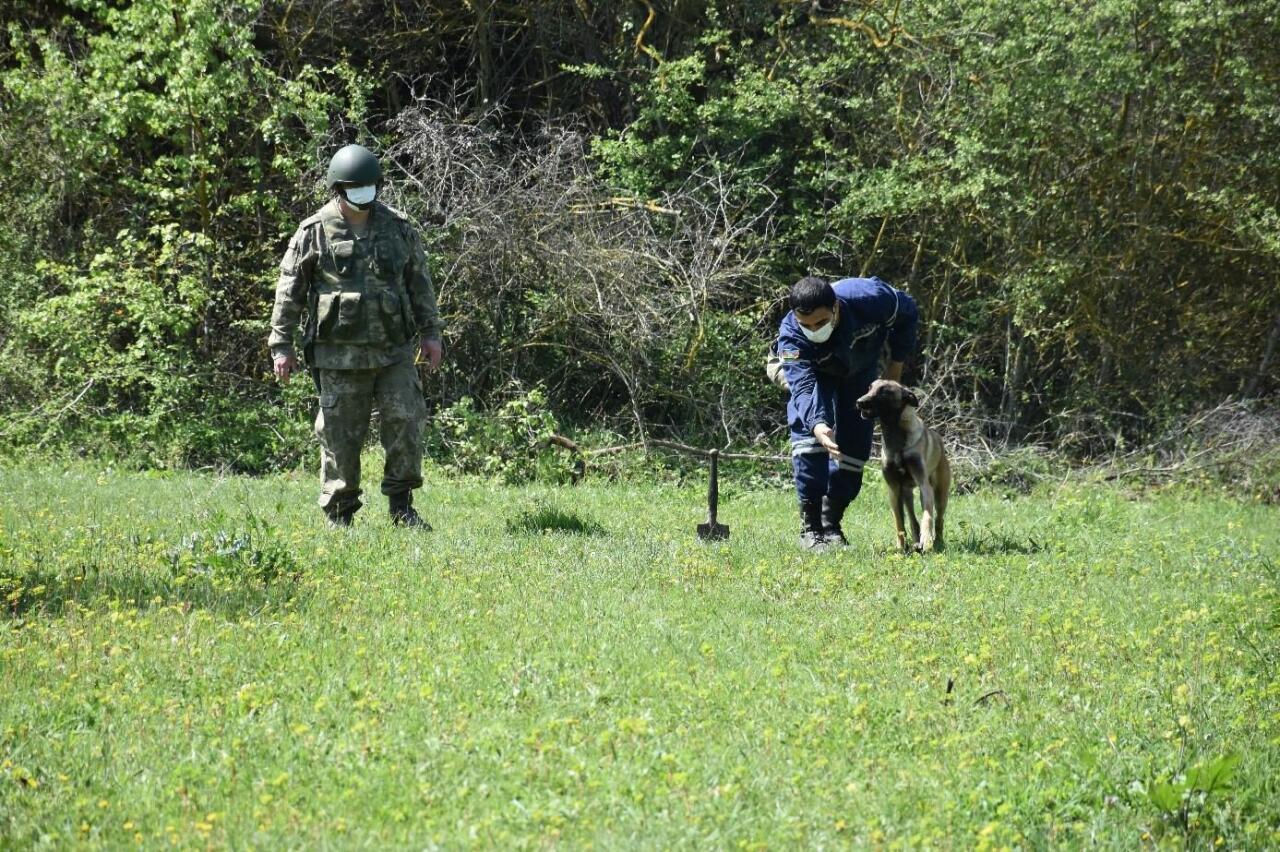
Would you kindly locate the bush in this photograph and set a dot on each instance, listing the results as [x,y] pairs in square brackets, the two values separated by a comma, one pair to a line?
[618,232]
[511,443]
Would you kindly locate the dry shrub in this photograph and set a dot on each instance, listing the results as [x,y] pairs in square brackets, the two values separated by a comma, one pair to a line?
[548,278]
[1235,445]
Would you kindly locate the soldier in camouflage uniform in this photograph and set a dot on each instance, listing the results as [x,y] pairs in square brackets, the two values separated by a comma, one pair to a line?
[358,269]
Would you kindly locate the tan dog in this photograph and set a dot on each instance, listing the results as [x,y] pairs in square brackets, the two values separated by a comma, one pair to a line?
[913,456]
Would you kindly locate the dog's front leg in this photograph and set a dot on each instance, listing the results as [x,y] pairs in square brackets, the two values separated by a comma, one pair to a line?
[916,466]
[895,502]
[909,501]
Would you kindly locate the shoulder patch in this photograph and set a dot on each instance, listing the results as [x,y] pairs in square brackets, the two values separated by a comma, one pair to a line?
[789,355]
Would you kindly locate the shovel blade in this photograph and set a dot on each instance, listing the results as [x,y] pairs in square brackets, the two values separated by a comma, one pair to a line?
[712,531]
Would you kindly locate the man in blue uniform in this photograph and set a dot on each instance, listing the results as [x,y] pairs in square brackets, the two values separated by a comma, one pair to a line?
[829,349]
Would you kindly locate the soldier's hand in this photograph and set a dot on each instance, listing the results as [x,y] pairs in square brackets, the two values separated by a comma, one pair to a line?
[827,438]
[284,365]
[431,353]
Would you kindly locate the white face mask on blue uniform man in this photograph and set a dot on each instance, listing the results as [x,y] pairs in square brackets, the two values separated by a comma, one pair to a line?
[822,333]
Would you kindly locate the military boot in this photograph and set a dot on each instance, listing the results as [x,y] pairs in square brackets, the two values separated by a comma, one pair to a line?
[811,537]
[339,518]
[832,515]
[403,513]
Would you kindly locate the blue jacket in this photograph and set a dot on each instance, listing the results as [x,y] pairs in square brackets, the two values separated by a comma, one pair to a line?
[871,312]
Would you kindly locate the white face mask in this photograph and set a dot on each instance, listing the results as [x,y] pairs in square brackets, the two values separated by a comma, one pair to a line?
[822,335]
[360,195]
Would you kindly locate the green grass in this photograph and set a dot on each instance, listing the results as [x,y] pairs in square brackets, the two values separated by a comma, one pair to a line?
[197,660]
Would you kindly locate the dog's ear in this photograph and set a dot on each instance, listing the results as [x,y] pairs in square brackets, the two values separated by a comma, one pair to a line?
[911,396]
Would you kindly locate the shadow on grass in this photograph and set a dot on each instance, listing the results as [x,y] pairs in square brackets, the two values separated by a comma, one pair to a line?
[985,541]
[229,573]
[548,519]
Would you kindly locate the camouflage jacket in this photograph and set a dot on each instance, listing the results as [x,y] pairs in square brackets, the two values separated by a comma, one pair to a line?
[368,298]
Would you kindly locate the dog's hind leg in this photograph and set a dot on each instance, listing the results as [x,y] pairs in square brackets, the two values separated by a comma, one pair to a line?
[941,491]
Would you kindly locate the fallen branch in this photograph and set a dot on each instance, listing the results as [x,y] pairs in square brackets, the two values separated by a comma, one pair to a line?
[579,462]
[620,448]
[673,445]
[624,201]
[685,448]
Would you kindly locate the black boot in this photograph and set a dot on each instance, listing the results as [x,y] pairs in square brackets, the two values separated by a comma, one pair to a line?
[403,514]
[832,515]
[811,537]
[339,518]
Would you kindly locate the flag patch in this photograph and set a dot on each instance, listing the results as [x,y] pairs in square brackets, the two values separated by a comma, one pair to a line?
[789,355]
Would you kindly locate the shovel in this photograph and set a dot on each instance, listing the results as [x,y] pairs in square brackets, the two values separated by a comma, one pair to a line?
[711,530]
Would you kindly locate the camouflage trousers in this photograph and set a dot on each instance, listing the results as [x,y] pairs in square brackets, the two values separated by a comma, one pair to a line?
[347,399]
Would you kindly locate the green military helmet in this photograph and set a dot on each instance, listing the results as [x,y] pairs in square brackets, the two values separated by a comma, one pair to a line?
[353,164]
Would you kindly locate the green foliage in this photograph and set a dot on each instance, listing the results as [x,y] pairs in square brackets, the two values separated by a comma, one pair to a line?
[232,558]
[129,317]
[1081,199]
[553,519]
[1184,802]
[250,567]
[128,344]
[511,444]
[1051,183]
[149,142]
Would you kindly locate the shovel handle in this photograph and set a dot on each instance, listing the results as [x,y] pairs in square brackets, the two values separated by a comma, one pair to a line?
[713,487]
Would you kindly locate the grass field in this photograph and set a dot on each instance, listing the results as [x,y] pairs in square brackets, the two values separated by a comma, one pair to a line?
[196,660]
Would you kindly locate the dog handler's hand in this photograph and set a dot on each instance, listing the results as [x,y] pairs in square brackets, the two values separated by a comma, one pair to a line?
[283,366]
[827,438]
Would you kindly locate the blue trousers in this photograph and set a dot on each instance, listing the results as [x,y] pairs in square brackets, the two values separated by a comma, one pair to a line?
[818,475]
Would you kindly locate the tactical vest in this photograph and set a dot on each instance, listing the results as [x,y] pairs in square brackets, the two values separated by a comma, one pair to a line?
[358,286]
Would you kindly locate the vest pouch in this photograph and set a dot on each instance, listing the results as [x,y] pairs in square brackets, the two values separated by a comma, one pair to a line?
[340,318]
[350,327]
[326,316]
